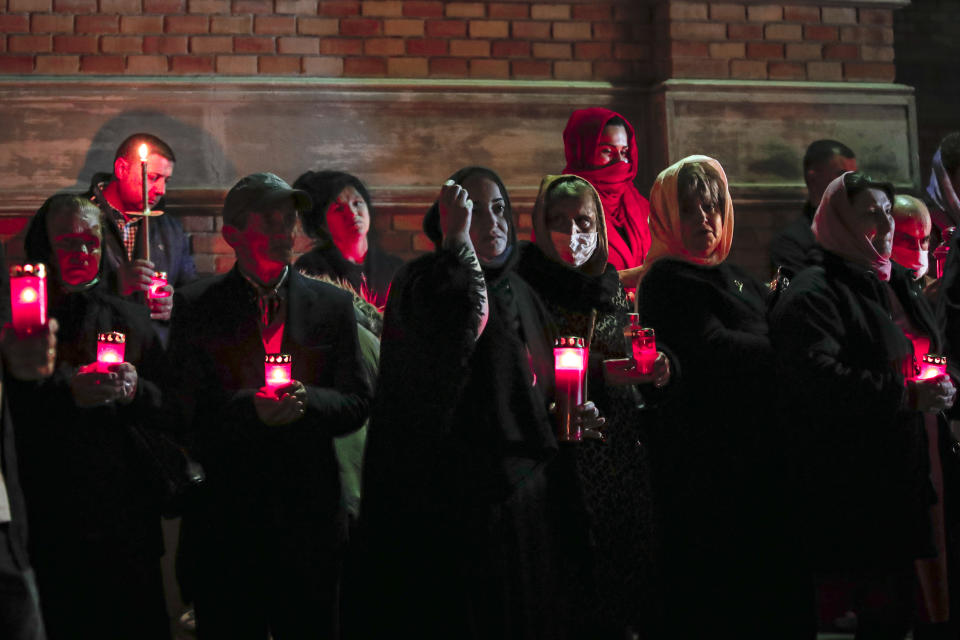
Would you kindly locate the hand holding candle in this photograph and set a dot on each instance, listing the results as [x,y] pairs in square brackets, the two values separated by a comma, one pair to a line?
[110,350]
[282,400]
[276,370]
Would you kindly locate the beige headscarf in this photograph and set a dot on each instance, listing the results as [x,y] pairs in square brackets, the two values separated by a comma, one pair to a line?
[541,234]
[665,217]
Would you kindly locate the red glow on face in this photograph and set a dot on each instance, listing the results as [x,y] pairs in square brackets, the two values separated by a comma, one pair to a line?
[28,298]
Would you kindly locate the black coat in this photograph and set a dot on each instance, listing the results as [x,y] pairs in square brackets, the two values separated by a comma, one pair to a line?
[790,247]
[270,489]
[861,457]
[374,275]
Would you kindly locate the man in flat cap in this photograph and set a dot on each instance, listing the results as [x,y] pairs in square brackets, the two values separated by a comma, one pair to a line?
[260,545]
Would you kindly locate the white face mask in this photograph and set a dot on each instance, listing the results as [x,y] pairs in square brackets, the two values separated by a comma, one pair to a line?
[916,261]
[574,248]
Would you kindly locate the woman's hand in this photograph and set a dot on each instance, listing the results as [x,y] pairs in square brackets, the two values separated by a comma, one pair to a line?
[456,211]
[587,417]
[661,370]
[93,388]
[624,371]
[932,395]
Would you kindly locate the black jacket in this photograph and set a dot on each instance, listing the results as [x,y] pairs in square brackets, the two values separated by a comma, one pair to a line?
[790,247]
[861,457]
[372,278]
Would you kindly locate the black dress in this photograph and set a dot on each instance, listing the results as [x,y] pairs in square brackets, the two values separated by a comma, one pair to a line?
[372,278]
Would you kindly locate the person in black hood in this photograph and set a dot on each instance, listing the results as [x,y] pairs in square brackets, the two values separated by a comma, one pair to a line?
[345,246]
[93,511]
[466,515]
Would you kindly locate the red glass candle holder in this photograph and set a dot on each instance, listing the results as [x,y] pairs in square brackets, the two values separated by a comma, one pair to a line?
[28,297]
[158,280]
[942,251]
[276,370]
[931,366]
[570,371]
[642,343]
[110,349]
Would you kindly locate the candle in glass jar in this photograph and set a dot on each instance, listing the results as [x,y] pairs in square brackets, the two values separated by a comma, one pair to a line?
[276,370]
[570,372]
[110,349]
[158,281]
[931,366]
[28,297]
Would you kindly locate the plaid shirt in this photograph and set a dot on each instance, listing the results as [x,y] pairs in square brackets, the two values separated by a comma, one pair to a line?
[127,227]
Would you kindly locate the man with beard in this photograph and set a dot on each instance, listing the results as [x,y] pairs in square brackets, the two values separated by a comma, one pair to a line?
[260,547]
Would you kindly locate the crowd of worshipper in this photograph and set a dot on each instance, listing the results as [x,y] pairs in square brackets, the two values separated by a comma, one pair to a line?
[607,432]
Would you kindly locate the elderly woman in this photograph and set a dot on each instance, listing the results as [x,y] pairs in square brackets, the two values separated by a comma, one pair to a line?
[712,459]
[468,516]
[601,147]
[849,333]
[567,267]
[345,248]
[93,512]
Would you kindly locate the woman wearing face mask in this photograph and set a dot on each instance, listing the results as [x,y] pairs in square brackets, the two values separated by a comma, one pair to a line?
[601,147]
[94,517]
[848,334]
[464,510]
[567,267]
[340,226]
[713,459]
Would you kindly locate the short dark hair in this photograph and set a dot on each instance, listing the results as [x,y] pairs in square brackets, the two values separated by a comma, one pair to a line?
[431,221]
[856,182]
[130,147]
[699,180]
[950,152]
[616,121]
[323,188]
[822,150]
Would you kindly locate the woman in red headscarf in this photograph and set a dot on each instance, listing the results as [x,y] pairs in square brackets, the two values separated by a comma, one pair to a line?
[600,146]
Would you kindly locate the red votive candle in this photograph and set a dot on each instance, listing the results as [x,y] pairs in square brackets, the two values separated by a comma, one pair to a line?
[643,344]
[28,297]
[158,280]
[570,371]
[110,349]
[931,366]
[276,370]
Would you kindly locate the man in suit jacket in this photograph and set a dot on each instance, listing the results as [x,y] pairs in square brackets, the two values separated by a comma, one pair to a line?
[259,549]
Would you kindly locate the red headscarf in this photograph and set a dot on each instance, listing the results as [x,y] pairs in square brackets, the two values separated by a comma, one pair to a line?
[625,210]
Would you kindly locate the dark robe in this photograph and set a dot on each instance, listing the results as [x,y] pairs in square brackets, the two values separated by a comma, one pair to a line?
[790,247]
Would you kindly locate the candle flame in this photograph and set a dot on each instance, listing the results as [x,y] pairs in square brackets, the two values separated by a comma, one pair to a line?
[571,359]
[144,151]
[28,295]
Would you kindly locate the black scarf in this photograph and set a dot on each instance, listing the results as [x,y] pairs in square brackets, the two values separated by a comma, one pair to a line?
[568,287]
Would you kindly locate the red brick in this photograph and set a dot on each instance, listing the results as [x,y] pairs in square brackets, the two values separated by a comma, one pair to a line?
[276,25]
[783,32]
[244,65]
[571,31]
[253,44]
[339,8]
[764,13]
[256,7]
[359,27]
[191,64]
[341,46]
[490,28]
[279,65]
[300,46]
[120,7]
[165,44]
[698,31]
[870,53]
[572,70]
[211,44]
[187,24]
[727,50]
[407,67]
[58,64]
[75,44]
[804,51]
[323,66]
[470,48]
[14,24]
[147,65]
[867,35]
[383,47]
[706,68]
[231,24]
[141,24]
[607,70]
[801,14]
[97,24]
[426,47]
[29,44]
[16,6]
[727,12]
[880,17]
[838,15]
[403,27]
[511,49]
[382,8]
[745,32]
[121,44]
[787,70]
[748,69]
[595,11]
[449,67]
[869,71]
[364,67]
[102,64]
[687,11]
[51,24]
[530,69]
[16,64]
[318,26]
[297,7]
[507,10]
[825,71]
[208,7]
[683,49]
[610,31]
[446,28]
[74,6]
[464,9]
[423,9]
[589,50]
[550,11]
[552,50]
[841,52]
[163,6]
[632,51]
[489,68]
[821,33]
[763,50]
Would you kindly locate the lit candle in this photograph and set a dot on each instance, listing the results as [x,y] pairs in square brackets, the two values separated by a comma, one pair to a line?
[110,349]
[943,250]
[144,151]
[158,280]
[931,366]
[276,370]
[642,344]
[28,297]
[570,371]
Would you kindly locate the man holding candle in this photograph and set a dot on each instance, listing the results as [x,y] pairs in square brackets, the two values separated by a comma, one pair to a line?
[261,549]
[129,263]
